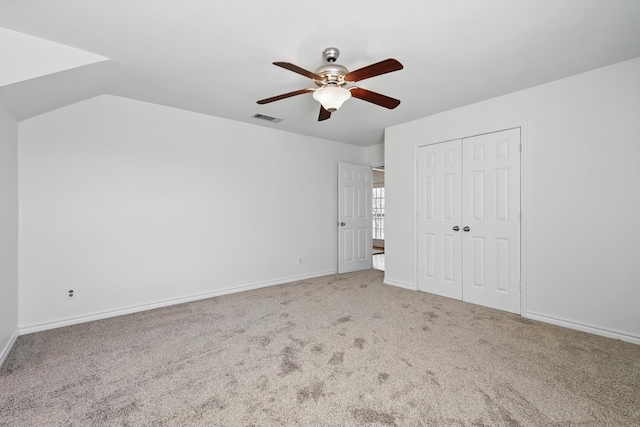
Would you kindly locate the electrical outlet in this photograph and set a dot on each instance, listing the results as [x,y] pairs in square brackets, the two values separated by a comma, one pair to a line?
[71,293]
[299,261]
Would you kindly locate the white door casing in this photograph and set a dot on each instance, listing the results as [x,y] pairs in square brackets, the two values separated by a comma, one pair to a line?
[440,210]
[470,184]
[491,210]
[354,217]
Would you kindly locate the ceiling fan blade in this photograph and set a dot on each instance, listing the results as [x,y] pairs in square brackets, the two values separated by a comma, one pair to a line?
[324,114]
[382,67]
[284,95]
[375,98]
[291,67]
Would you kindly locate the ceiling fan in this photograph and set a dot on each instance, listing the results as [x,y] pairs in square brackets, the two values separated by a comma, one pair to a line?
[333,82]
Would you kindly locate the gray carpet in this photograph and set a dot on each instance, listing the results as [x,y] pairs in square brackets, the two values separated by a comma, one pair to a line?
[341,350]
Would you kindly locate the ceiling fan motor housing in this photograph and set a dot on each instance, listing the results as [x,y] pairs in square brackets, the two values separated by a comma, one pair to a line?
[332,73]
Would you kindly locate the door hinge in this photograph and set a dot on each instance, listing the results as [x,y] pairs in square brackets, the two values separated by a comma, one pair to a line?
[521,148]
[520,216]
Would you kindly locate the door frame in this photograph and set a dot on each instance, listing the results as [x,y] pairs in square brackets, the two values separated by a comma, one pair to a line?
[377,166]
[523,199]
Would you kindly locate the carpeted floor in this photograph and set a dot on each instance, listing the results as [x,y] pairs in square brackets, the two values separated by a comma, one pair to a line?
[341,350]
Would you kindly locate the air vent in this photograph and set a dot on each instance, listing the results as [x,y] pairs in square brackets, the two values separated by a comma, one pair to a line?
[267,118]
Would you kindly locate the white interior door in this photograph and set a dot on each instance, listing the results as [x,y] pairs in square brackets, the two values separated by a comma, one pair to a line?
[468,219]
[491,213]
[439,219]
[354,217]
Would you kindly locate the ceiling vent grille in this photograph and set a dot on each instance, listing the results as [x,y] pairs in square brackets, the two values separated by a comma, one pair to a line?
[267,118]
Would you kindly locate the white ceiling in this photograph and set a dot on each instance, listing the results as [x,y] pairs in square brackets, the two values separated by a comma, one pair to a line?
[215,57]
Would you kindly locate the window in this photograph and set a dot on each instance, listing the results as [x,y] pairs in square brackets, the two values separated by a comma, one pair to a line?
[378,213]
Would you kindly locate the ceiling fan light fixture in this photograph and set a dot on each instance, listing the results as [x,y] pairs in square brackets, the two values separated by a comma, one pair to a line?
[331,97]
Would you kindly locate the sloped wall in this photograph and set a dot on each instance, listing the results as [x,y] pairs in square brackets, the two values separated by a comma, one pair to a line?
[8,232]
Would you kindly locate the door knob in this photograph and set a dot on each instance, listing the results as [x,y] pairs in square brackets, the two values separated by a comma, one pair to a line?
[467,228]
[456,228]
[343,224]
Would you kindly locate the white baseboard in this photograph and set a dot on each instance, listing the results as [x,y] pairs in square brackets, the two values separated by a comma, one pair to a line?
[583,328]
[8,347]
[134,309]
[399,284]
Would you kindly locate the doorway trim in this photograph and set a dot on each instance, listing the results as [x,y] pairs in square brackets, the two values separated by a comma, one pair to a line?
[523,199]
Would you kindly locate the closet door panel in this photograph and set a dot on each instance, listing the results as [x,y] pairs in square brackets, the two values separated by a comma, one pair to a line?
[491,214]
[439,210]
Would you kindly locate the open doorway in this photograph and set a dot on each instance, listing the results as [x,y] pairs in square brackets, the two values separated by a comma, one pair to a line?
[378,208]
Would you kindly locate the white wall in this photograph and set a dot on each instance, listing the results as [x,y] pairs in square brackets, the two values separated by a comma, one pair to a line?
[133,204]
[8,232]
[582,151]
[26,57]
[374,155]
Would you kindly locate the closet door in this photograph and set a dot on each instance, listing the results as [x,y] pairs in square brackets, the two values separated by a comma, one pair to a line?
[439,212]
[491,220]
